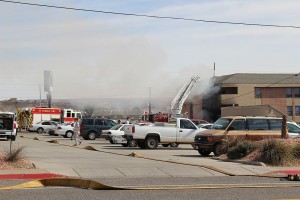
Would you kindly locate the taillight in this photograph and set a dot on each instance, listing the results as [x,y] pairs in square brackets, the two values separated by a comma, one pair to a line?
[133,129]
[15,125]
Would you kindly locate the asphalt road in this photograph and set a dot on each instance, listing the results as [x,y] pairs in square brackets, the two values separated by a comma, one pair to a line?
[79,194]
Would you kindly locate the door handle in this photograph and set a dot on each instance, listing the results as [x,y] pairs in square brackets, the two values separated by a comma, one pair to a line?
[180,130]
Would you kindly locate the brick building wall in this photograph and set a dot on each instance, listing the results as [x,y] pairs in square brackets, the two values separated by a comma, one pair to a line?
[275,97]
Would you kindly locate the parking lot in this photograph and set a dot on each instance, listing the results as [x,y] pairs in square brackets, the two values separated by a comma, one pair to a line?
[98,158]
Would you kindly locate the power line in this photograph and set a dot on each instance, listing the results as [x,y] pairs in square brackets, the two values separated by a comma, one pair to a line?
[266,86]
[154,16]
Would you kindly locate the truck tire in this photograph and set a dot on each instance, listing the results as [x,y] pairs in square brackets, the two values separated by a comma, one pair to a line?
[174,144]
[204,152]
[92,135]
[165,145]
[40,130]
[151,143]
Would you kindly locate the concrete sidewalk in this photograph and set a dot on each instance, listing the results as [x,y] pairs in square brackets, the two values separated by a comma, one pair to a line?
[110,161]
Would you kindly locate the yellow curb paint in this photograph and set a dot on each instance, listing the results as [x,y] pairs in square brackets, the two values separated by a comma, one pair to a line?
[31,184]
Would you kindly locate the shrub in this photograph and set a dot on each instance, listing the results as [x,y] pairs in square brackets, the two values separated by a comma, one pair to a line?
[14,155]
[241,150]
[296,150]
[230,142]
[276,152]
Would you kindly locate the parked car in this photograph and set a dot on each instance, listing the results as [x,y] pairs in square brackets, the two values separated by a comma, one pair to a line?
[8,125]
[293,130]
[246,127]
[206,126]
[115,131]
[116,135]
[65,130]
[43,126]
[91,128]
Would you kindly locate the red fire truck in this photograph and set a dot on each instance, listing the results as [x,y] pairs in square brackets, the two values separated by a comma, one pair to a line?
[29,116]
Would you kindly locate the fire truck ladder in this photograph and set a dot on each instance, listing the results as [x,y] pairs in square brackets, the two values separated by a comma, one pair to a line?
[177,103]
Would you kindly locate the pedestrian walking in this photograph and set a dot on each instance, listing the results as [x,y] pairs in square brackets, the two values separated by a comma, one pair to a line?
[76,132]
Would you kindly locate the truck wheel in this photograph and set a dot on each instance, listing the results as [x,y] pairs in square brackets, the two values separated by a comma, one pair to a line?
[174,144]
[69,134]
[204,152]
[151,143]
[40,130]
[92,135]
[132,143]
[219,149]
[165,145]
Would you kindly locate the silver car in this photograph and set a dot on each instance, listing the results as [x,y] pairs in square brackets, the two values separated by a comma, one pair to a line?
[43,126]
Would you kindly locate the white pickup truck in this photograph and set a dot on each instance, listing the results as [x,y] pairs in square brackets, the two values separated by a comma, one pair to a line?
[178,130]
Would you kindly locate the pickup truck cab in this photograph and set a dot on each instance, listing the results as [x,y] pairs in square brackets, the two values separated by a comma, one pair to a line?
[8,126]
[178,130]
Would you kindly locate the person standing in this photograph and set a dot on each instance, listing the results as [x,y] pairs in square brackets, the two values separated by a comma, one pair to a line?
[128,120]
[76,132]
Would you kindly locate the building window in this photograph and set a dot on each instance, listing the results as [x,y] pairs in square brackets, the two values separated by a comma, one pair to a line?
[290,111]
[297,92]
[289,93]
[297,109]
[257,93]
[229,90]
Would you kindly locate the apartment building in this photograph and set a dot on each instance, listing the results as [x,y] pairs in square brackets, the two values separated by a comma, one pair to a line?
[280,91]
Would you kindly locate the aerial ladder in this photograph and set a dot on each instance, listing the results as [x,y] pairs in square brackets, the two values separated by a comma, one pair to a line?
[177,103]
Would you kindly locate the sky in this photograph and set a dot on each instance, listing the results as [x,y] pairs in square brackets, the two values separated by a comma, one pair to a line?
[97,55]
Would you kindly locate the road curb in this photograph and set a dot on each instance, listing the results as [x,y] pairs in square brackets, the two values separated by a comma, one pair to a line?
[242,161]
[29,176]
[94,185]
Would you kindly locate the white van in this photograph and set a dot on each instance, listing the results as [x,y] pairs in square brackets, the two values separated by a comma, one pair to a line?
[8,126]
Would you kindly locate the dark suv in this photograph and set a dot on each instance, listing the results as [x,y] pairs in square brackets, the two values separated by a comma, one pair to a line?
[91,128]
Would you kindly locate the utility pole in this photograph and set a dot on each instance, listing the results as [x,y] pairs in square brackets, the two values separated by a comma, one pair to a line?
[150,101]
[214,69]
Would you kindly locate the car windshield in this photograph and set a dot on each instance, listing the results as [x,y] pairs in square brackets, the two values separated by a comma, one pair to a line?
[116,127]
[292,128]
[221,124]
